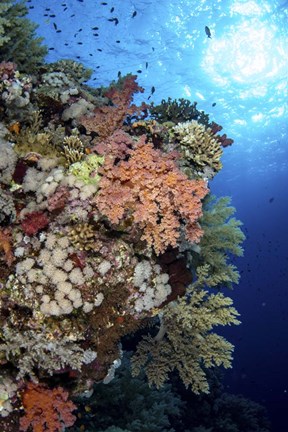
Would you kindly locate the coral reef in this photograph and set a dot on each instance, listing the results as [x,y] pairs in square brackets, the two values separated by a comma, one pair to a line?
[103,234]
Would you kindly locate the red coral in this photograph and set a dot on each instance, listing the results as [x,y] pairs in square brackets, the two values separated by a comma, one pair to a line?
[224,141]
[45,409]
[150,187]
[106,119]
[34,222]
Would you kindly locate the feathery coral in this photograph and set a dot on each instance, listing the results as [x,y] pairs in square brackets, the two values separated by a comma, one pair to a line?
[185,341]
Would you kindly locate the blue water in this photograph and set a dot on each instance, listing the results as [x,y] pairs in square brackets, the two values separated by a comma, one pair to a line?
[243,68]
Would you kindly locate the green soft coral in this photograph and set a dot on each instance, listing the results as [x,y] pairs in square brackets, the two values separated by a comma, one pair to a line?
[17,37]
[87,170]
[186,341]
[222,238]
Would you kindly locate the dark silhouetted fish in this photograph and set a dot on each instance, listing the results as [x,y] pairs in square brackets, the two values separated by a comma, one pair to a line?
[208,32]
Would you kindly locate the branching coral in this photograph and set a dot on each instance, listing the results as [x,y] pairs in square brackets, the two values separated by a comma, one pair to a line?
[198,146]
[151,188]
[45,409]
[178,111]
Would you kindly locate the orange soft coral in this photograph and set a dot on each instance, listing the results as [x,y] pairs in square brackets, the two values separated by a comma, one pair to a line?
[46,410]
[150,187]
[106,119]
[6,245]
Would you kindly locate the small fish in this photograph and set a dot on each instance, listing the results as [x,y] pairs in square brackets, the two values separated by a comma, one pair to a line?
[104,3]
[52,16]
[146,65]
[65,9]
[99,49]
[115,20]
[152,91]
[58,31]
[51,49]
[95,34]
[71,16]
[80,43]
[80,30]
[153,49]
[271,200]
[112,9]
[213,104]
[95,28]
[139,71]
[66,44]
[55,26]
[208,32]
[117,41]
[134,14]
[119,74]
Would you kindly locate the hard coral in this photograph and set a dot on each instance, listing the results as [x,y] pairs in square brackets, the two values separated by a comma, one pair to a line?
[150,187]
[45,409]
[198,146]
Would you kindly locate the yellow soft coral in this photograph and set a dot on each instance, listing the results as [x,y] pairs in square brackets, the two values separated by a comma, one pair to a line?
[198,146]
[186,342]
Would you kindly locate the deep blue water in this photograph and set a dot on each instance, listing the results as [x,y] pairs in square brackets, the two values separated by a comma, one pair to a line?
[243,68]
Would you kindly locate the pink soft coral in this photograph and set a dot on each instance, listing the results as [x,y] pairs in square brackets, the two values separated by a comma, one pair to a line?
[107,118]
[45,409]
[150,187]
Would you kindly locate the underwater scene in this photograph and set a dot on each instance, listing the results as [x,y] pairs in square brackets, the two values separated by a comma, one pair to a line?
[143,216]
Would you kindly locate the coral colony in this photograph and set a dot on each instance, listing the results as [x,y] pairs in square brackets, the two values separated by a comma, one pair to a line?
[107,226]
